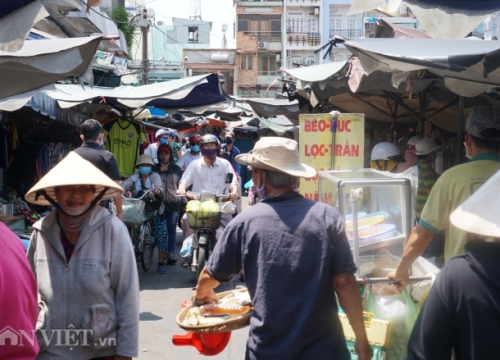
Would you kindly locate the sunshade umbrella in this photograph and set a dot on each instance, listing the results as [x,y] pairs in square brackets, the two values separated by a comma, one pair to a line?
[444,19]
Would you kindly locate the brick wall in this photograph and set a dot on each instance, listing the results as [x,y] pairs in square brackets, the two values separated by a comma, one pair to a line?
[247,46]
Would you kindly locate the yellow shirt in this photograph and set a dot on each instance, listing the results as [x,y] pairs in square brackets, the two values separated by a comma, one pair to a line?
[451,190]
[123,140]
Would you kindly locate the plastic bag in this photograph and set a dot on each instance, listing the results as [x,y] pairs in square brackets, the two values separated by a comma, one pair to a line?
[228,208]
[187,246]
[401,311]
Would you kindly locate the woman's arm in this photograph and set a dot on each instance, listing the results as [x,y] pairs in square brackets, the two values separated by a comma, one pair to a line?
[156,182]
[125,283]
[129,184]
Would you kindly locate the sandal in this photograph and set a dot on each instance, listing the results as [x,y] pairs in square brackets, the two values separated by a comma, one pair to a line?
[171,260]
[186,264]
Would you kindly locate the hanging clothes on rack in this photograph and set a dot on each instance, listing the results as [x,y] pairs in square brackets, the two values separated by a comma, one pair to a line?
[123,139]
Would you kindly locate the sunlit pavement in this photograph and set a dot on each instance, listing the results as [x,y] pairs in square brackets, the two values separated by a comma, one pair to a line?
[161,298]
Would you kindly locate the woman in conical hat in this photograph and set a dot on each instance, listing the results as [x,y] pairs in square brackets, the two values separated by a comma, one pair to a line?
[84,263]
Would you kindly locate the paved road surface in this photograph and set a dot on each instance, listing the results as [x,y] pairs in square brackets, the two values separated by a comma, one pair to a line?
[161,297]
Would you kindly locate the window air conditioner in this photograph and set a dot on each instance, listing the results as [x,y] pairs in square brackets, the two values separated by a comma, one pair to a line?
[262,45]
[316,11]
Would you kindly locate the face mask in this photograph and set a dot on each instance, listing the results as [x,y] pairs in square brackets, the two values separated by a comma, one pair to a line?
[163,141]
[434,157]
[209,153]
[74,211]
[229,141]
[368,143]
[261,190]
[102,141]
[195,148]
[145,170]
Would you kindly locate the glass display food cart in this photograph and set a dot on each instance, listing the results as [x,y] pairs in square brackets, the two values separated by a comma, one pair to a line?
[376,207]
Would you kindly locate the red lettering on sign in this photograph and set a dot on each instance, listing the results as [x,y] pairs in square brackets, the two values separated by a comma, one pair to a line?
[344,126]
[346,150]
[315,150]
[311,196]
[355,150]
[316,125]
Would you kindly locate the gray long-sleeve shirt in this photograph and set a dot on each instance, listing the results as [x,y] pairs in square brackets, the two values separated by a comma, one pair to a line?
[89,306]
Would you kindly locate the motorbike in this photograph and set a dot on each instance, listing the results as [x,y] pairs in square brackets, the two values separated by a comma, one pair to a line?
[204,226]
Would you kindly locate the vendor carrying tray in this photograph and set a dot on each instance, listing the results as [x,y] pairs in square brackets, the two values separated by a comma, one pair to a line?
[233,323]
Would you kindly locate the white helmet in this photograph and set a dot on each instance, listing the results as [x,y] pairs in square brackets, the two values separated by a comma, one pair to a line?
[425,146]
[413,140]
[387,151]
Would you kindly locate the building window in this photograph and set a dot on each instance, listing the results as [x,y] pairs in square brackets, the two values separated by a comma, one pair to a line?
[351,26]
[336,23]
[242,25]
[193,34]
[246,62]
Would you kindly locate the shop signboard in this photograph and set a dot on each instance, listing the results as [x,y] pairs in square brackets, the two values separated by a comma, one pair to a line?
[349,142]
[323,136]
[315,143]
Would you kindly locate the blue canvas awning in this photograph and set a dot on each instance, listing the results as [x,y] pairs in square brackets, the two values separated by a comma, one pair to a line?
[196,91]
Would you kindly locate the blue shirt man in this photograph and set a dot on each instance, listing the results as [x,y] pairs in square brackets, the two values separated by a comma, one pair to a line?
[229,152]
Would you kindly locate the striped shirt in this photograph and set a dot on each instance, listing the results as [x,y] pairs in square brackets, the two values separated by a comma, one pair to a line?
[426,179]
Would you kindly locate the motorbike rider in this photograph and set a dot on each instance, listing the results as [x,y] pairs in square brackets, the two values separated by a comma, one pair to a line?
[161,137]
[193,153]
[208,173]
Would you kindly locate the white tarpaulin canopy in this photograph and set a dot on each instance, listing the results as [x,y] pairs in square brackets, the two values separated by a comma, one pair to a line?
[316,73]
[43,62]
[18,17]
[445,19]
[469,68]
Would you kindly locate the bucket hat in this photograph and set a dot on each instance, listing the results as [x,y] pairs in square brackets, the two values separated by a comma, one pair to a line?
[484,123]
[425,146]
[277,154]
[72,170]
[144,159]
[480,213]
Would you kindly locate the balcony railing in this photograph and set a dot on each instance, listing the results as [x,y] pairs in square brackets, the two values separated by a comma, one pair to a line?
[266,36]
[308,39]
[268,73]
[304,3]
[259,2]
[346,33]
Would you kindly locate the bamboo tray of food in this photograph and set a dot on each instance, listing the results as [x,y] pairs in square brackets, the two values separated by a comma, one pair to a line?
[233,312]
[8,217]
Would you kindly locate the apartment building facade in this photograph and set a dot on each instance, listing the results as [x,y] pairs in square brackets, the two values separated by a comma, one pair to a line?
[259,43]
[303,24]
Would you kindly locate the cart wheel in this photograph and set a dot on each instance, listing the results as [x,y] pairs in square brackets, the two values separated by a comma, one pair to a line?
[147,246]
[147,256]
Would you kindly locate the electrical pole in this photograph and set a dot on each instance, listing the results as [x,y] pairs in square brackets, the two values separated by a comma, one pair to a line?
[144,30]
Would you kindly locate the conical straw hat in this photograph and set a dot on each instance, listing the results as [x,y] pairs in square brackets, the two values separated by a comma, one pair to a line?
[480,213]
[73,170]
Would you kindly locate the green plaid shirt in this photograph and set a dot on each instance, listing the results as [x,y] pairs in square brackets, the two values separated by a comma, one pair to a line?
[426,179]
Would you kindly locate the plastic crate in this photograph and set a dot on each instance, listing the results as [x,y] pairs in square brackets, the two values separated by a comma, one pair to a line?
[133,210]
[198,219]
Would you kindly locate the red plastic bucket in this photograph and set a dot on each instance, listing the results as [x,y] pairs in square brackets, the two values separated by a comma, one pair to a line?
[206,344]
